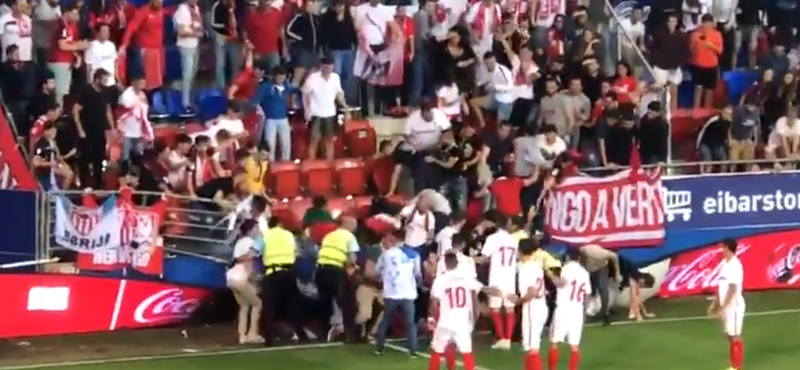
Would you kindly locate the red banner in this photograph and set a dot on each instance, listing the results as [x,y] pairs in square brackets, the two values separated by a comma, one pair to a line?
[54,304]
[770,261]
[140,226]
[14,171]
[622,210]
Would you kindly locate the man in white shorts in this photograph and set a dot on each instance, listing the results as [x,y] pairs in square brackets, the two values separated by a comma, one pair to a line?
[729,303]
[500,250]
[453,310]
[574,285]
[533,302]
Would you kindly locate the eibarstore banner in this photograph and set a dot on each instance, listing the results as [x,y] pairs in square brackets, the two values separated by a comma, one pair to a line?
[621,210]
[55,304]
[770,261]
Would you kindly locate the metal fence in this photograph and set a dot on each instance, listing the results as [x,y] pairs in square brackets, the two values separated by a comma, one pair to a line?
[188,228]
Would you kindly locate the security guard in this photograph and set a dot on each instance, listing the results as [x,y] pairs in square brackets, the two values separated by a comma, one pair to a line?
[337,256]
[279,287]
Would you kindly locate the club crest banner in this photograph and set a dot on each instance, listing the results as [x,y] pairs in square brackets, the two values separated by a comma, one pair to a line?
[87,230]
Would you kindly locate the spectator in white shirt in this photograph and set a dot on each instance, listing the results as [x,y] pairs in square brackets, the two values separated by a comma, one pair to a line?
[133,123]
[498,83]
[633,37]
[189,22]
[178,162]
[102,54]
[420,222]
[425,126]
[16,29]
[239,280]
[784,140]
[374,22]
[548,146]
[321,92]
[450,101]
[400,270]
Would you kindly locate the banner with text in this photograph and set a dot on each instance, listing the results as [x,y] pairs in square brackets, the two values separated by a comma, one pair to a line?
[621,210]
[141,246]
[732,202]
[87,230]
[770,261]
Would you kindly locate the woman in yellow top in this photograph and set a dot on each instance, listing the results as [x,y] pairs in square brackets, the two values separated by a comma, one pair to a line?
[255,167]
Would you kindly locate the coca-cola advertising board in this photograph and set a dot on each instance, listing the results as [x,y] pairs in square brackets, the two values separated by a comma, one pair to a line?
[770,261]
[53,304]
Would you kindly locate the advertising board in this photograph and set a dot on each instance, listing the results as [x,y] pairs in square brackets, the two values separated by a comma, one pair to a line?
[53,304]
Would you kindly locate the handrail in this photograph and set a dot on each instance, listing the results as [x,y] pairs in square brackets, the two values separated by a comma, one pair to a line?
[664,94]
[676,165]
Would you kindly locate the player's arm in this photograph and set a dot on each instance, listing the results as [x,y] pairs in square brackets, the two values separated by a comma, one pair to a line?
[433,304]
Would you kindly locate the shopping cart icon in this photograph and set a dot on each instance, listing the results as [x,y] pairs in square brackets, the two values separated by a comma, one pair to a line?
[677,203]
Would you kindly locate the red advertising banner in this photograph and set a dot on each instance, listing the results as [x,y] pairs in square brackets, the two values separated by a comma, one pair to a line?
[770,261]
[140,225]
[52,304]
[14,171]
[622,210]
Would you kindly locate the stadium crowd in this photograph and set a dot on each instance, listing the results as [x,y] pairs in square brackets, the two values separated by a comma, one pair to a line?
[495,96]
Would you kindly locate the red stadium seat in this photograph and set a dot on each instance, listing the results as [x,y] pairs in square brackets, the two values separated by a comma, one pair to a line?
[318,177]
[686,123]
[361,206]
[168,133]
[361,138]
[193,128]
[297,209]
[339,147]
[352,176]
[300,139]
[286,179]
[380,171]
[339,206]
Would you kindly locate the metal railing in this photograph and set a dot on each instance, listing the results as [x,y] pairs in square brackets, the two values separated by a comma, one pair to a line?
[621,46]
[187,228]
[693,169]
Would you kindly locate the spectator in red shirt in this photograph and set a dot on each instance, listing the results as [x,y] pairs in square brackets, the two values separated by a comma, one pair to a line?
[625,84]
[263,33]
[246,82]
[64,51]
[147,27]
[406,24]
[50,117]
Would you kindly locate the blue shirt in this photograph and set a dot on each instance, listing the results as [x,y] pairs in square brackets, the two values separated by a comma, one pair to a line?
[399,271]
[274,99]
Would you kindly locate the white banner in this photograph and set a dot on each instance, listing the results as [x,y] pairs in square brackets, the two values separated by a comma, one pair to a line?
[87,230]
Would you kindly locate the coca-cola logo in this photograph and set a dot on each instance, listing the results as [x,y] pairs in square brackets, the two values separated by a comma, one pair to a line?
[701,273]
[166,305]
[783,269]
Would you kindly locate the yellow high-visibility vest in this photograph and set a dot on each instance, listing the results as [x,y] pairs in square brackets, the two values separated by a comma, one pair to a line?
[280,247]
[333,250]
[520,234]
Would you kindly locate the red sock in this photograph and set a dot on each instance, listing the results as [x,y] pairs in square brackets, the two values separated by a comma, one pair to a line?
[737,353]
[498,324]
[533,361]
[574,358]
[435,361]
[552,358]
[511,319]
[450,357]
[469,361]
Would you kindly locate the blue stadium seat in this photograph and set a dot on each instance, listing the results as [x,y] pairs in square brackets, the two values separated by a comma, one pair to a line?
[203,93]
[211,107]
[738,82]
[158,108]
[175,106]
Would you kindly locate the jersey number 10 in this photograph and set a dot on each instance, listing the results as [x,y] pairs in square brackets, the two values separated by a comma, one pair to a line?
[457,297]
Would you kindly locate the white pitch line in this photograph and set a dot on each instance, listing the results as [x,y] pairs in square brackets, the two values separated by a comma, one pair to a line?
[172,356]
[335,344]
[426,355]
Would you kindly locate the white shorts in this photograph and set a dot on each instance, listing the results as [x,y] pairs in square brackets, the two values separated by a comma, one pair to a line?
[732,320]
[502,301]
[533,320]
[567,327]
[442,337]
[664,76]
